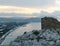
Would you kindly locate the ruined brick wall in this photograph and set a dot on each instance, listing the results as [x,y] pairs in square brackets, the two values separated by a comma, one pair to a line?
[49,22]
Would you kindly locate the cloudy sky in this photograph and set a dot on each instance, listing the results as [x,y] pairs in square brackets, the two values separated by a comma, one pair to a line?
[29,6]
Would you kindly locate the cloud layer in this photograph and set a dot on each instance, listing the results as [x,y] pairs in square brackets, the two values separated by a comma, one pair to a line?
[28,6]
[18,10]
[28,3]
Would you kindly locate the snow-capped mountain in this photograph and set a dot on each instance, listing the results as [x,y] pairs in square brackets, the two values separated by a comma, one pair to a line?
[48,37]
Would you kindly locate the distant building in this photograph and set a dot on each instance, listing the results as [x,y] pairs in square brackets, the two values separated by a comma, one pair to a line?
[49,22]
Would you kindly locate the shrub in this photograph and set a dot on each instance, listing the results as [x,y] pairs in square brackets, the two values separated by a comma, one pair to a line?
[35,32]
[25,32]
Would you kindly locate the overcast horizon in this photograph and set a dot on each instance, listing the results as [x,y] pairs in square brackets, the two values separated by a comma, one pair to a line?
[28,7]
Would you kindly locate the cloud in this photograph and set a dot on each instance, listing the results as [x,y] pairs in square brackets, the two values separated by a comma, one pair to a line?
[28,6]
[18,10]
[57,3]
[28,3]
[26,10]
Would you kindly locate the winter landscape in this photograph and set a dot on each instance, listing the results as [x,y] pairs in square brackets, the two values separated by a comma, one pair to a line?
[45,32]
[29,22]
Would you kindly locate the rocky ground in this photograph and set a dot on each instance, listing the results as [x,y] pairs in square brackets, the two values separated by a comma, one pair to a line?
[45,37]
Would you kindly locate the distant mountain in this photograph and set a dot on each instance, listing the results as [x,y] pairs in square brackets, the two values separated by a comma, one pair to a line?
[16,19]
[34,19]
[34,16]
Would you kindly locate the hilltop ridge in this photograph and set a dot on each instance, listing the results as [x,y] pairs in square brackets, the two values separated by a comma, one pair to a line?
[49,35]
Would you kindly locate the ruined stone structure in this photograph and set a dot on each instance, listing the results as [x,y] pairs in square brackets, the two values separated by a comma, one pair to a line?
[50,22]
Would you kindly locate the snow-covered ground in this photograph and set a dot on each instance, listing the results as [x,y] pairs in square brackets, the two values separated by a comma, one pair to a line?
[19,31]
[46,38]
